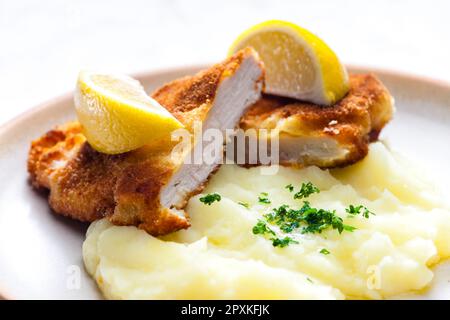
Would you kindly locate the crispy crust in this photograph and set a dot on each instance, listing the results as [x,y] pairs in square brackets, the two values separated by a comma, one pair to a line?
[87,185]
[52,148]
[187,98]
[353,121]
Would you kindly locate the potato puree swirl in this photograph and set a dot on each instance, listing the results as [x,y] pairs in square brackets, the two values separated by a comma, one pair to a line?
[389,254]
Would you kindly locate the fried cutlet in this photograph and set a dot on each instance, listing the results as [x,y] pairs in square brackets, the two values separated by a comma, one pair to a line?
[150,186]
[325,136]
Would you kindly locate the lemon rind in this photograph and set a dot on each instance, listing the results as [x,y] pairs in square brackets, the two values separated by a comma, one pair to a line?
[329,64]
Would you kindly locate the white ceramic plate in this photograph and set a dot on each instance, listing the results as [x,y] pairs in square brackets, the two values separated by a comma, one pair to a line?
[41,252]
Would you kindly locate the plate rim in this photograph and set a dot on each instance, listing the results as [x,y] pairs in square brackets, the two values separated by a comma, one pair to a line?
[29,113]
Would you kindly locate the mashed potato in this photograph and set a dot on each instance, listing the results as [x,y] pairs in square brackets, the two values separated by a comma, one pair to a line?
[219,257]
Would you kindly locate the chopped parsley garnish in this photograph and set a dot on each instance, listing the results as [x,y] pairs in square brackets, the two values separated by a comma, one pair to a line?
[309,279]
[306,190]
[318,220]
[306,219]
[349,228]
[312,220]
[355,210]
[290,187]
[210,198]
[277,242]
[262,228]
[263,198]
[244,204]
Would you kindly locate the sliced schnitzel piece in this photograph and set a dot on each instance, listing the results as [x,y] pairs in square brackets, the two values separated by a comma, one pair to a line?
[150,186]
[232,99]
[332,136]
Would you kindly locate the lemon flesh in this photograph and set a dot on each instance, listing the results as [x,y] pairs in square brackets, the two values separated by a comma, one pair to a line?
[298,63]
[117,115]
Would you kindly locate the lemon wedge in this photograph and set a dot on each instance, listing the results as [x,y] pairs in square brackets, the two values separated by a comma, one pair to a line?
[298,64]
[117,115]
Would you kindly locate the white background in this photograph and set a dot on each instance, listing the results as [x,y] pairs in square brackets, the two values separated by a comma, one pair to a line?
[43,44]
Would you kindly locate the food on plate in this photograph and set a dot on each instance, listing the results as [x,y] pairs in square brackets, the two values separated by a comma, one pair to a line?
[117,115]
[387,253]
[185,271]
[298,64]
[80,178]
[331,136]
[341,218]
[147,187]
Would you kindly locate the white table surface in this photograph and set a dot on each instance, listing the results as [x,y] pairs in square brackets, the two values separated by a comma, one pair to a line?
[43,44]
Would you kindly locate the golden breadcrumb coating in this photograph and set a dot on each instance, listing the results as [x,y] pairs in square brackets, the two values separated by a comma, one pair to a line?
[88,185]
[352,122]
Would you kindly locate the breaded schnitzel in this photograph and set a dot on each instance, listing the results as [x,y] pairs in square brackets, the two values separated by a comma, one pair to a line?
[332,136]
[147,187]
